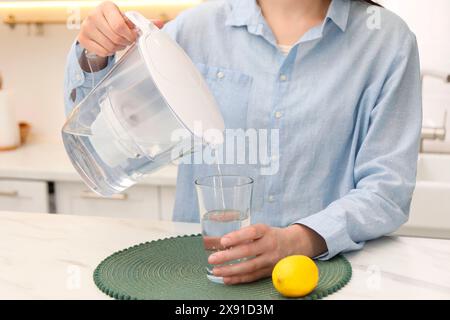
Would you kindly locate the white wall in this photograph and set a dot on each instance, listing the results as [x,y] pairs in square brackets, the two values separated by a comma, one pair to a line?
[33,71]
[430,21]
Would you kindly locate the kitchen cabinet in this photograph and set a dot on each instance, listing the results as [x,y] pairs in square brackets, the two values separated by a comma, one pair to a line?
[141,201]
[137,202]
[20,195]
[430,207]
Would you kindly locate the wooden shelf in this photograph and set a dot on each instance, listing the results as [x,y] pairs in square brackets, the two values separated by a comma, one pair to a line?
[65,12]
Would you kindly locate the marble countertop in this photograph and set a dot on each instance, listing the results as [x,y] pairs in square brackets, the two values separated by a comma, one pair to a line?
[46,256]
[47,160]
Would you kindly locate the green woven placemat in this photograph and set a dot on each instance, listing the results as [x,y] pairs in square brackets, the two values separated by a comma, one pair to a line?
[174,268]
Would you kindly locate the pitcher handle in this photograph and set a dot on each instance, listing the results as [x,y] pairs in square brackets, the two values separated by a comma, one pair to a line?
[145,25]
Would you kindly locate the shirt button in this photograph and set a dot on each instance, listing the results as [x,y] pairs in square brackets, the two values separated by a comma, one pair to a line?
[78,77]
[283,77]
[278,114]
[220,75]
[271,198]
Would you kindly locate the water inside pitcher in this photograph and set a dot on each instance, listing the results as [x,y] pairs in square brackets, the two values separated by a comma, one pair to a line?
[122,130]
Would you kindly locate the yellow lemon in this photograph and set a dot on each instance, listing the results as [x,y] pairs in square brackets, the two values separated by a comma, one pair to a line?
[295,276]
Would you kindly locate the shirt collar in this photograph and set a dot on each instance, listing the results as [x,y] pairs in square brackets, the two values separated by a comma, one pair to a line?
[339,12]
[243,13]
[248,13]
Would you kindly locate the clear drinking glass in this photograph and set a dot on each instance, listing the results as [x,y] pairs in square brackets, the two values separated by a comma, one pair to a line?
[224,203]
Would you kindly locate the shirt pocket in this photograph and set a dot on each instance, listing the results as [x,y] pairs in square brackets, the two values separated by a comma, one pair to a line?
[231,90]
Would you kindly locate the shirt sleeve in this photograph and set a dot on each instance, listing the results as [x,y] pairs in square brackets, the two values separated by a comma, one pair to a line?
[385,167]
[171,27]
[78,83]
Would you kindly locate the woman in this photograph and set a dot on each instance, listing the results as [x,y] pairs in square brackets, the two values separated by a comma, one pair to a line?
[339,79]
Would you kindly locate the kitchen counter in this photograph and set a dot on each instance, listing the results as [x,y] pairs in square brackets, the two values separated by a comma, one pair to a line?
[47,160]
[45,256]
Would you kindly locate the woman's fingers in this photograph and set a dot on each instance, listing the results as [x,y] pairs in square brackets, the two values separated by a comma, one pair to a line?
[129,23]
[249,277]
[244,267]
[103,41]
[263,249]
[106,31]
[238,252]
[103,25]
[244,250]
[117,22]
[94,47]
[244,235]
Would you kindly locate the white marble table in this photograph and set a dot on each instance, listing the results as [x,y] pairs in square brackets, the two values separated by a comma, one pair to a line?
[44,256]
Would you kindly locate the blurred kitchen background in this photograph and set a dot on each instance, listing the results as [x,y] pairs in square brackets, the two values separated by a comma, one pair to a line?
[34,40]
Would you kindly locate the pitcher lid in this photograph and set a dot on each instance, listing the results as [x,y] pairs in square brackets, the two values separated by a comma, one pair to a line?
[177,79]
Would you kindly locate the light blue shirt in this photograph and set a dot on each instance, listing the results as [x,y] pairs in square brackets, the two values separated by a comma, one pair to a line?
[346,101]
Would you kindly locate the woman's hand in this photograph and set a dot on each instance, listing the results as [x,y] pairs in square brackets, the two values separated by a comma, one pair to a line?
[106,30]
[267,245]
